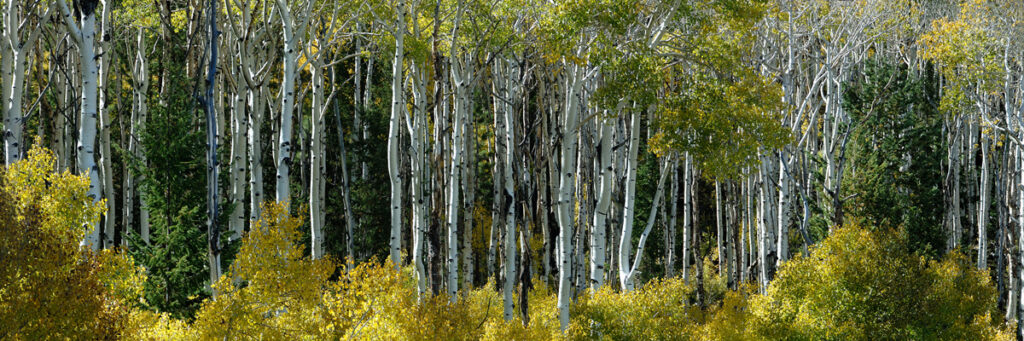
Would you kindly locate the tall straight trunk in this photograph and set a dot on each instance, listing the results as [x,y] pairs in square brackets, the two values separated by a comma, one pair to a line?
[720,228]
[418,184]
[953,162]
[107,170]
[316,163]
[753,218]
[239,158]
[567,180]
[357,92]
[397,104]
[670,235]
[84,34]
[983,206]
[1001,203]
[13,61]
[347,189]
[1020,246]
[140,96]
[744,232]
[511,78]
[766,233]
[211,151]
[140,79]
[460,109]
[255,145]
[687,215]
[782,213]
[732,237]
[604,200]
[469,205]
[289,68]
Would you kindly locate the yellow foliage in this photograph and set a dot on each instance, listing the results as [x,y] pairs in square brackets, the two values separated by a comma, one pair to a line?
[272,290]
[49,288]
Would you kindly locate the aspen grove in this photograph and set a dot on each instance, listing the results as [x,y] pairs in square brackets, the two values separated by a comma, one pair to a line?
[512,169]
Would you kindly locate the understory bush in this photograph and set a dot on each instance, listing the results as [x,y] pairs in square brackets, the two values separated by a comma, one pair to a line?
[857,284]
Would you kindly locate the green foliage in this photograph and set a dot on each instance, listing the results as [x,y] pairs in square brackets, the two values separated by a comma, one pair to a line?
[49,287]
[174,188]
[716,105]
[896,152]
[860,285]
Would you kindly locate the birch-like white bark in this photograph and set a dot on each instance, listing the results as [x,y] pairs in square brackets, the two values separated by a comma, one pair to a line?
[604,200]
[397,106]
[84,35]
[567,180]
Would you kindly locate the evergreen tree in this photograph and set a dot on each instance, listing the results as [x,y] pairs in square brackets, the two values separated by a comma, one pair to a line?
[175,192]
[896,153]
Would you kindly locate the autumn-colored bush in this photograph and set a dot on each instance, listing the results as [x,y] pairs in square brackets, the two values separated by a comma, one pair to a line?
[862,285]
[855,285]
[49,286]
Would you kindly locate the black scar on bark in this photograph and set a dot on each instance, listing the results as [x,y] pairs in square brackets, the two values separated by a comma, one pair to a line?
[87,7]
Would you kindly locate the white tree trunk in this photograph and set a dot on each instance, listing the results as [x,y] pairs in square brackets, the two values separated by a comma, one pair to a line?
[84,35]
[627,277]
[687,215]
[670,239]
[239,159]
[782,241]
[506,75]
[983,207]
[397,106]
[419,164]
[629,207]
[107,171]
[316,163]
[566,190]
[460,75]
[720,229]
[13,60]
[604,200]
[289,66]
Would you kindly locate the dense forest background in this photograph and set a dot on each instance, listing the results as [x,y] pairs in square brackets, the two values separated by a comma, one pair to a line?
[512,169]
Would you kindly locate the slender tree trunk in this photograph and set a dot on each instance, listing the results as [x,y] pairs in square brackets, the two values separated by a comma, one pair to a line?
[239,158]
[720,228]
[688,213]
[211,150]
[461,107]
[316,162]
[604,200]
[397,104]
[85,35]
[670,235]
[566,189]
[983,206]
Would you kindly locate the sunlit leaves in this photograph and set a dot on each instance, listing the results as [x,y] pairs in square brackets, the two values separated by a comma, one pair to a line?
[271,287]
[49,287]
[968,54]
[859,285]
